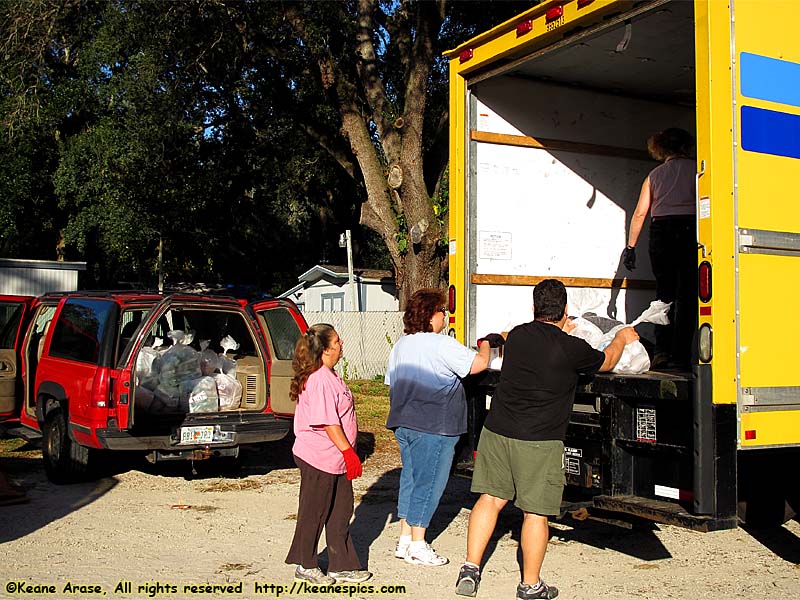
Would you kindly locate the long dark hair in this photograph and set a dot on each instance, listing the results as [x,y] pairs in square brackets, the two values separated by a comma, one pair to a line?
[308,355]
[420,310]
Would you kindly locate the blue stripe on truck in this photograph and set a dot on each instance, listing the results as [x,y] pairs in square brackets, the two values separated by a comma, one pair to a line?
[770,132]
[769,79]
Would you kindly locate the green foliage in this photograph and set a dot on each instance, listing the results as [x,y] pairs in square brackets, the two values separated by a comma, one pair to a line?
[207,124]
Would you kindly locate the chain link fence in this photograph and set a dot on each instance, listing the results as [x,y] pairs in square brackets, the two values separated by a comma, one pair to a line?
[368,338]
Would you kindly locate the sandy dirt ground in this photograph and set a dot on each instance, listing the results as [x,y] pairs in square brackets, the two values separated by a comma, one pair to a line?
[164,526]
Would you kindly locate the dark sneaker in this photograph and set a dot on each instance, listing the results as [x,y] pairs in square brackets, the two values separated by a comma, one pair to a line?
[526,591]
[350,576]
[314,575]
[469,577]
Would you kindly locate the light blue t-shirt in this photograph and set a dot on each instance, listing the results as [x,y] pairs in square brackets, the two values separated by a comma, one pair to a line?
[424,378]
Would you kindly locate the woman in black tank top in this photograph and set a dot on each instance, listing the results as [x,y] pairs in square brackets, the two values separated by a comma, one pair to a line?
[668,196]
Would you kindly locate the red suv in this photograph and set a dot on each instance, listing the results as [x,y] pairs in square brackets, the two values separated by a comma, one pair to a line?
[176,376]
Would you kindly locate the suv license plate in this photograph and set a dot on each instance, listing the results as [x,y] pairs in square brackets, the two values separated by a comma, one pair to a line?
[197,435]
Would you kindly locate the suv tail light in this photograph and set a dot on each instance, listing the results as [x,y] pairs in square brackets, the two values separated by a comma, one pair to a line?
[101,388]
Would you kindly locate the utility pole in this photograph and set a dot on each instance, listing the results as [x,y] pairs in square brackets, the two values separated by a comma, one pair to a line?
[160,265]
[346,242]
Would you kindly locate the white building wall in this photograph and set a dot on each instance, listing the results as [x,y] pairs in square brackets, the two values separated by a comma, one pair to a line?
[333,296]
[34,278]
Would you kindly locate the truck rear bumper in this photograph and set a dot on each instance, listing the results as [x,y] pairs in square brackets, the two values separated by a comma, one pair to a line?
[662,511]
[237,429]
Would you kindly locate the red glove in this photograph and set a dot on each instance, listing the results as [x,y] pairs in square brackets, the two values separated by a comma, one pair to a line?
[352,463]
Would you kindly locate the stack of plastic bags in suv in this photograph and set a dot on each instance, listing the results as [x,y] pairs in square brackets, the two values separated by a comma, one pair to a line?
[179,379]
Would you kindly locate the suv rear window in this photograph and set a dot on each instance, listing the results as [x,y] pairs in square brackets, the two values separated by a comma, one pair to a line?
[283,330]
[79,331]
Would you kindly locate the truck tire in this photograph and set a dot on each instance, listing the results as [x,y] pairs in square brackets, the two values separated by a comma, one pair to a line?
[765,491]
[64,460]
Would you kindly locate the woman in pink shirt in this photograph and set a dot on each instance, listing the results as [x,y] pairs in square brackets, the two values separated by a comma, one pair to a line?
[325,430]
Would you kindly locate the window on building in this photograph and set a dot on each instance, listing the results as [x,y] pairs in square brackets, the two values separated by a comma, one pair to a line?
[333,302]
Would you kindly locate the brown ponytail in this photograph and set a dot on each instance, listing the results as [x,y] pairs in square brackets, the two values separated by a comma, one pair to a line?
[308,355]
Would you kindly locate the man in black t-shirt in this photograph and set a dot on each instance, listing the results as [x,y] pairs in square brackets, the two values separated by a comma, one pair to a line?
[521,448]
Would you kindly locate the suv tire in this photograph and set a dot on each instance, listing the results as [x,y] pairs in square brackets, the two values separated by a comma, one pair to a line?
[64,460]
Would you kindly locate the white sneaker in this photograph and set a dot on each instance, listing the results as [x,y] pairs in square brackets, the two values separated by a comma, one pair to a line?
[401,550]
[424,555]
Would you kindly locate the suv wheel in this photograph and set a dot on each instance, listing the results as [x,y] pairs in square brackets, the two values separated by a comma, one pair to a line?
[64,460]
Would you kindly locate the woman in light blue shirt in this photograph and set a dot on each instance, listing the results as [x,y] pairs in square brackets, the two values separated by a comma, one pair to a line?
[428,414]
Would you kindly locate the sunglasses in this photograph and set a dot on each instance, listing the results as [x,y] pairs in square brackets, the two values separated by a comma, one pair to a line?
[442,310]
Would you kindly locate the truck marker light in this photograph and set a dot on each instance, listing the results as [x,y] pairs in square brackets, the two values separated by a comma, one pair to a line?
[750,434]
[524,27]
[465,55]
[582,3]
[554,13]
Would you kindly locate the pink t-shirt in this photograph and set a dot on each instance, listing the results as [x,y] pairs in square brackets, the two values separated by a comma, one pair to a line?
[326,400]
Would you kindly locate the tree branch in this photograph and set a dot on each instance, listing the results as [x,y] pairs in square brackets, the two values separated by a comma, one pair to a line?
[370,75]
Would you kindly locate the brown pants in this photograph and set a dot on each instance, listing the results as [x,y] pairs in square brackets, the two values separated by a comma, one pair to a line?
[326,500]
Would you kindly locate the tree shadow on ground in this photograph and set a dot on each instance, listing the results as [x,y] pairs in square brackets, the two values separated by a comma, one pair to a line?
[46,501]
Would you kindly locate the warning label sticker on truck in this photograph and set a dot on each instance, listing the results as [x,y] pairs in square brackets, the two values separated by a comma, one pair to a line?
[495,245]
[645,424]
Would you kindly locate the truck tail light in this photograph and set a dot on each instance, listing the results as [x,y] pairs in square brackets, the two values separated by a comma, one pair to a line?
[705,343]
[101,387]
[704,281]
[451,299]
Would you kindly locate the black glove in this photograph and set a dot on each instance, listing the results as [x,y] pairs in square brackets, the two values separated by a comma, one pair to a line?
[495,340]
[629,258]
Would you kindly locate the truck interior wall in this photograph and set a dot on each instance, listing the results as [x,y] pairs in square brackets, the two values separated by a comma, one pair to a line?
[559,213]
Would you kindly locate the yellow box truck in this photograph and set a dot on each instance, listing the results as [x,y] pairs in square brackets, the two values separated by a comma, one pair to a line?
[549,115]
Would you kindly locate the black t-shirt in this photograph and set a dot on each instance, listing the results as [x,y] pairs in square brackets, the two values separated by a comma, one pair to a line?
[537,385]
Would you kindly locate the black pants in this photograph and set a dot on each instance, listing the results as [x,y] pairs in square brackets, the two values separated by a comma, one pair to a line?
[673,255]
[326,500]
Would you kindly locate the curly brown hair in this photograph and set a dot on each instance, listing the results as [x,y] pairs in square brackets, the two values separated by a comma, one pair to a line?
[308,355]
[423,305]
[670,143]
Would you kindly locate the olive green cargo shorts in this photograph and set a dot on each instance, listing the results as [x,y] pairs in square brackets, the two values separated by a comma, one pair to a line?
[529,473]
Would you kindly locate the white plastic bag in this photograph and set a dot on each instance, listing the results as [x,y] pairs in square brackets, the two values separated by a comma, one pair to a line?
[634,359]
[228,343]
[204,397]
[587,331]
[229,390]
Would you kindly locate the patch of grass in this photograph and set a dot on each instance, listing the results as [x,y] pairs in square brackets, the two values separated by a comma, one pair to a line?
[18,448]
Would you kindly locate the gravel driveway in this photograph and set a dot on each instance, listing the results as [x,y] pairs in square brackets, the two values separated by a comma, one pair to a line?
[154,532]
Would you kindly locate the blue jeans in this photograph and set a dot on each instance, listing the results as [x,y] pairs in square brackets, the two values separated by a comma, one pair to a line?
[427,458]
